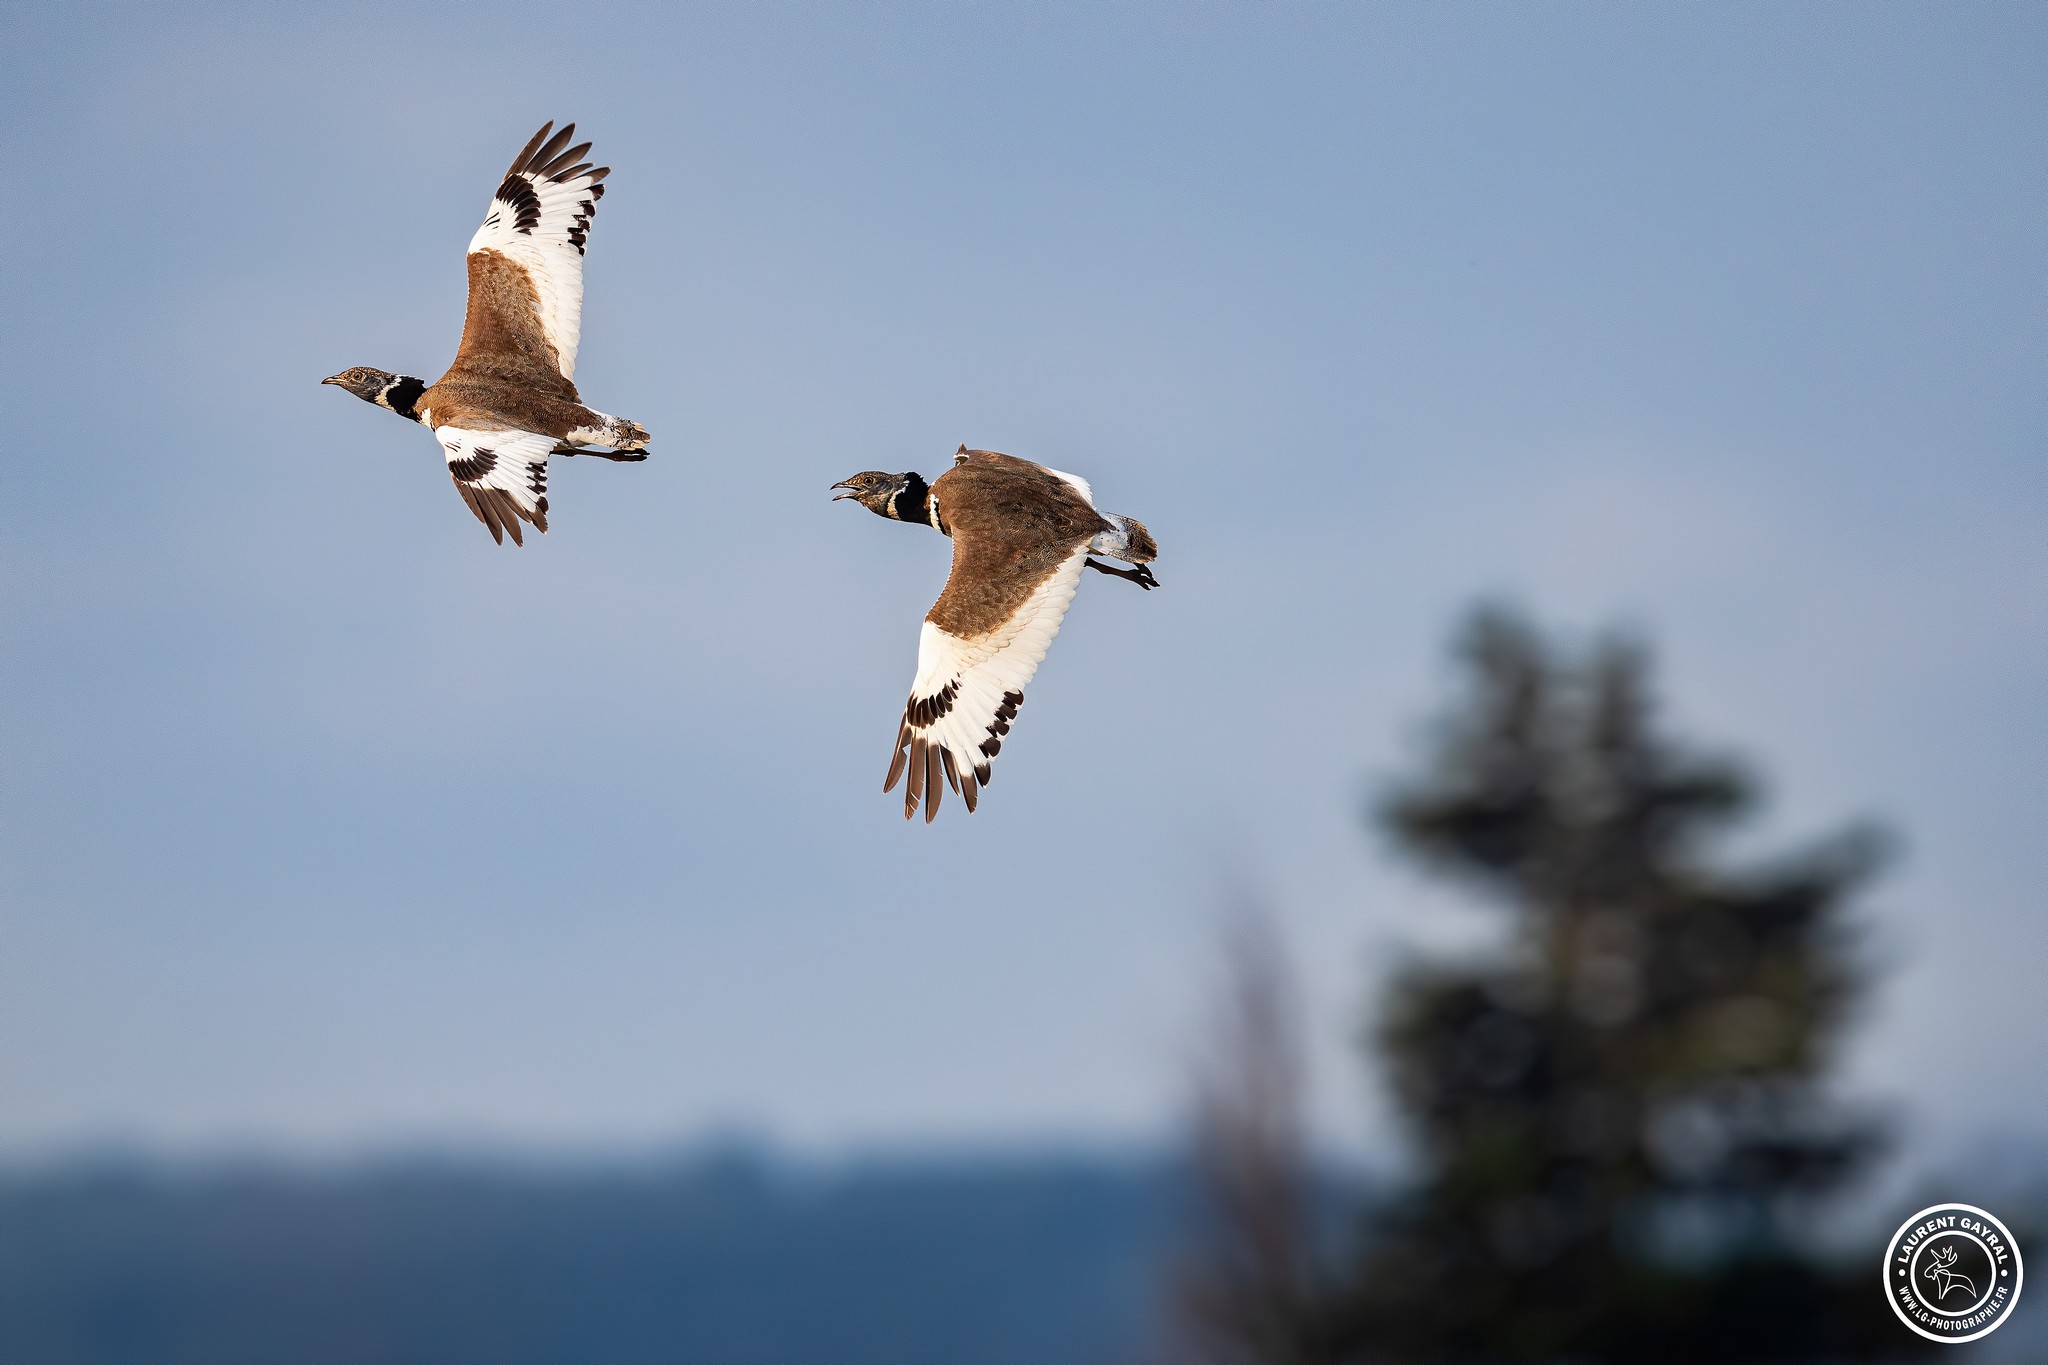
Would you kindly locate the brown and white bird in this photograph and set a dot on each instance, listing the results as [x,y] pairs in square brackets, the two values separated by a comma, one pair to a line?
[1021,534]
[509,401]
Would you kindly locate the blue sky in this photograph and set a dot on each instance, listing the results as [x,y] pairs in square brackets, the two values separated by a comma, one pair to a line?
[325,823]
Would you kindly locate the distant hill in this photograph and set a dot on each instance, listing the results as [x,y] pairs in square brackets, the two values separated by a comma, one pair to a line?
[726,1260]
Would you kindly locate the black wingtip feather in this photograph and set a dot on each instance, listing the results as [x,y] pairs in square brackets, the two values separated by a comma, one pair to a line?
[548,155]
[914,789]
[527,151]
[563,166]
[476,505]
[500,512]
[552,148]
[899,759]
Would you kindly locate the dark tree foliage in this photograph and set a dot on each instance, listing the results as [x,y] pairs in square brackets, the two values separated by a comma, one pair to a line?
[1620,1117]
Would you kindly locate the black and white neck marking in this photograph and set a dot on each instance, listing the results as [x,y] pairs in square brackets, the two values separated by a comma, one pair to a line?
[402,395]
[913,502]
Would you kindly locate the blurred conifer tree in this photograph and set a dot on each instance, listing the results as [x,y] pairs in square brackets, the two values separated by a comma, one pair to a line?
[1620,1117]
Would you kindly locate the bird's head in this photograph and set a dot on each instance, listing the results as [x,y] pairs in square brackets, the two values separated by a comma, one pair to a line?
[364,382]
[884,494]
[399,393]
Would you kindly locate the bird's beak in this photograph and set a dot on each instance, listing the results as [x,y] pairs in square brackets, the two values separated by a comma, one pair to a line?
[332,379]
[851,491]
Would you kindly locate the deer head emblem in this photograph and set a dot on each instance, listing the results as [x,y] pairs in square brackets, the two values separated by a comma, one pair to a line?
[1940,1263]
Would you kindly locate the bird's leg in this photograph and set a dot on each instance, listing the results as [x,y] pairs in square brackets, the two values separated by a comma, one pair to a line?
[622,456]
[1142,575]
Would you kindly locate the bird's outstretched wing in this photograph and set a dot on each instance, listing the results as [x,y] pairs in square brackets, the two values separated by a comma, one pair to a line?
[502,475]
[538,223]
[968,689]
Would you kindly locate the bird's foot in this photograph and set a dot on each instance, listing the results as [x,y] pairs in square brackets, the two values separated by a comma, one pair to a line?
[1142,575]
[622,456]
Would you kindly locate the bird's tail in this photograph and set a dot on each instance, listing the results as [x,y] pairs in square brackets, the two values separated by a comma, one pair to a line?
[1127,539]
[614,433]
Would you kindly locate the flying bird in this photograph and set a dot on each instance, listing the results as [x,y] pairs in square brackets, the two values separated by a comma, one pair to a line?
[509,401]
[1021,535]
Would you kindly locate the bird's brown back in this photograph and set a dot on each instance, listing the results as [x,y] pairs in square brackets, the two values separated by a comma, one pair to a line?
[506,371]
[501,332]
[1013,524]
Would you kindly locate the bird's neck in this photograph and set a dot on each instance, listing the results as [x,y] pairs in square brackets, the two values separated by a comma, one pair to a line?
[914,502]
[402,396]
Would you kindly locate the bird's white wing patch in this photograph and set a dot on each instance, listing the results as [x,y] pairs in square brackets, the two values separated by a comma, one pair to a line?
[502,475]
[967,692]
[1087,493]
[540,218]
